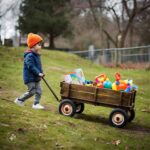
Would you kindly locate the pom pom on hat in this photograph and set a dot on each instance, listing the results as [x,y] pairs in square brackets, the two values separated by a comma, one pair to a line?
[33,39]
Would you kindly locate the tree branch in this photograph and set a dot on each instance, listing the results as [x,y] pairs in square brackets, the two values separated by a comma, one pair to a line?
[109,37]
[94,16]
[124,2]
[11,7]
[117,18]
[143,8]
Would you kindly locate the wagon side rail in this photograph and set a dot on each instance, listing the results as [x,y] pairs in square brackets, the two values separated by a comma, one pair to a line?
[97,96]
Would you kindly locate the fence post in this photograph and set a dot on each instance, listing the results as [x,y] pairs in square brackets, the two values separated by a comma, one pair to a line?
[149,55]
[115,57]
[119,56]
[91,52]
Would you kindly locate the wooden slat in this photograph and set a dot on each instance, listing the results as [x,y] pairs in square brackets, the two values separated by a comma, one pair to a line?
[108,92]
[126,99]
[121,98]
[108,96]
[108,100]
[86,96]
[76,87]
[64,90]
[95,94]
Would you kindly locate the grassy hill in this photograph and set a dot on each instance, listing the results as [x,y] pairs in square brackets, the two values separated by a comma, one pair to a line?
[24,128]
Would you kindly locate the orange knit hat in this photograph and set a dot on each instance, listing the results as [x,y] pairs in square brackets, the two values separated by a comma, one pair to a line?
[33,39]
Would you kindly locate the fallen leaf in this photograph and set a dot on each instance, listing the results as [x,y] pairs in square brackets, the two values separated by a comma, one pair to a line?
[45,126]
[146,110]
[21,130]
[4,125]
[96,139]
[59,146]
[108,143]
[116,142]
[12,137]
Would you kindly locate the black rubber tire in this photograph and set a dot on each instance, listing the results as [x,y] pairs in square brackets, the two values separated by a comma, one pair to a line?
[79,108]
[131,115]
[67,107]
[118,118]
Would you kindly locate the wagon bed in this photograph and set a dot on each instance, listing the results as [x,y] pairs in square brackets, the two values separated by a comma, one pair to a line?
[98,96]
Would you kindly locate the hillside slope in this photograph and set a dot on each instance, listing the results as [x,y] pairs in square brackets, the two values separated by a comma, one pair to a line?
[25,128]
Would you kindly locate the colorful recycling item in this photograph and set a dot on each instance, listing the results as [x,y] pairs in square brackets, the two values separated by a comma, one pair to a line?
[119,85]
[100,80]
[123,85]
[103,82]
[71,78]
[76,77]
[130,86]
[88,83]
[67,78]
[80,75]
[107,84]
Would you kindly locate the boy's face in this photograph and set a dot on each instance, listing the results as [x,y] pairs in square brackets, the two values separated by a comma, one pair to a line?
[38,47]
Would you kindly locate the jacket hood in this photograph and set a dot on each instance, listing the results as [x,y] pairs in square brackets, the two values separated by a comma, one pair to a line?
[28,52]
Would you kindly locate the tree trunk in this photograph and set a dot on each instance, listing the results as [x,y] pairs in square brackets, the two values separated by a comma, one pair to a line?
[51,41]
[131,36]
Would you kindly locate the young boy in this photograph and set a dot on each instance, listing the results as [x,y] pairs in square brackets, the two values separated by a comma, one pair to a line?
[32,72]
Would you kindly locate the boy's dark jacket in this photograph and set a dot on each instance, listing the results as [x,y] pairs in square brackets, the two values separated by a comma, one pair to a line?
[32,67]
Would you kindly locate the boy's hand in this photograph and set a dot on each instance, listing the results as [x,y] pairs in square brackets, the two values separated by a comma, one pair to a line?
[41,74]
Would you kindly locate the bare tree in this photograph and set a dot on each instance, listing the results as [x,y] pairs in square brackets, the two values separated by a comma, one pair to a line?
[123,12]
[7,7]
[10,6]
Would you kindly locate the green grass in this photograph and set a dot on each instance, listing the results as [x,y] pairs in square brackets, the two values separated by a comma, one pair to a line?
[25,128]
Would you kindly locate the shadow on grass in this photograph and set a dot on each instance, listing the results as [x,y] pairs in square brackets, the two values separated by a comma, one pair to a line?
[130,127]
[134,127]
[92,118]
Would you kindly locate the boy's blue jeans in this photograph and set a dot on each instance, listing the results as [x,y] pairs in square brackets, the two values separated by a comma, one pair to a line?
[34,88]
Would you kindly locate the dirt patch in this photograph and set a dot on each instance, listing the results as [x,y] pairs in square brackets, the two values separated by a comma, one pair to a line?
[71,124]
[135,128]
[6,99]
[93,118]
[50,108]
[8,95]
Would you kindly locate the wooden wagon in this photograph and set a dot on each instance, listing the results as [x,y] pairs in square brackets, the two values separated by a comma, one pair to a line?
[74,96]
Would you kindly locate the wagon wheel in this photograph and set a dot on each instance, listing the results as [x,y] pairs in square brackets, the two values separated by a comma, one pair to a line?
[67,108]
[79,108]
[131,115]
[118,118]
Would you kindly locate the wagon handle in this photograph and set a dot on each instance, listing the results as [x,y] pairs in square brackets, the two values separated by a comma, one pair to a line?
[51,89]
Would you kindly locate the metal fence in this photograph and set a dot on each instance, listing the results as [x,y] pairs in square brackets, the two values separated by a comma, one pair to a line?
[117,55]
